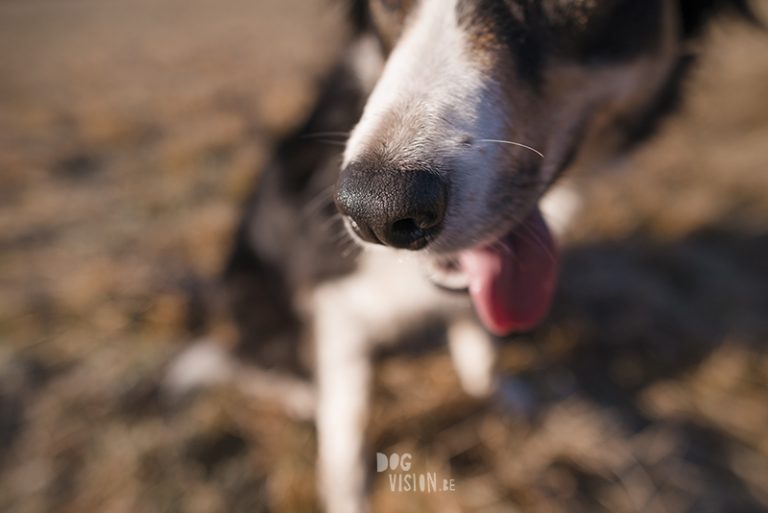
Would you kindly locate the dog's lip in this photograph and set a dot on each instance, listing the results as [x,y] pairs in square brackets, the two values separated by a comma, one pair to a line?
[446,273]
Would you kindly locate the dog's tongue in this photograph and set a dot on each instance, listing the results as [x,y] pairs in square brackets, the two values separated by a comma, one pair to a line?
[512,280]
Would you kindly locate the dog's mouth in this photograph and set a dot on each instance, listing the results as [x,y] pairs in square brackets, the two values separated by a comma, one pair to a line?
[510,280]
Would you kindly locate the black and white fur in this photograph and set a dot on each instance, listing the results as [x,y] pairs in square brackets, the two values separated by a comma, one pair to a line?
[498,96]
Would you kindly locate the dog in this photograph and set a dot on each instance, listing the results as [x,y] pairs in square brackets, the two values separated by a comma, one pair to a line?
[456,117]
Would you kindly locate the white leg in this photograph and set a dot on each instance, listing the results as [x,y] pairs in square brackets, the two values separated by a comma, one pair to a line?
[560,206]
[474,356]
[343,379]
[373,305]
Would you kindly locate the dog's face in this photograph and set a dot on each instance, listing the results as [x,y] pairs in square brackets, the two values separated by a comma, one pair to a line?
[474,92]
[483,103]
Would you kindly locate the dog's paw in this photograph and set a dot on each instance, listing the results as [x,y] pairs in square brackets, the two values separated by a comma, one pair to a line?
[206,364]
[201,365]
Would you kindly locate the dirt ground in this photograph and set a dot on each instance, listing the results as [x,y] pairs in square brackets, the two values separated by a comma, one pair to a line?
[129,134]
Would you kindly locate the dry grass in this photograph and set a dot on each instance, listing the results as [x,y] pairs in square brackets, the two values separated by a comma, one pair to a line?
[129,133]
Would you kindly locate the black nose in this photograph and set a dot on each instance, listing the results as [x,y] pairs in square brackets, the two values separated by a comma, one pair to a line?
[397,208]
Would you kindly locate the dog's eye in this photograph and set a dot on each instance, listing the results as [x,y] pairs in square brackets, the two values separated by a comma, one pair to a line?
[388,17]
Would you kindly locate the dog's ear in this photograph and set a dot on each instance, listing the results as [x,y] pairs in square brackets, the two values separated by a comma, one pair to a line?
[696,13]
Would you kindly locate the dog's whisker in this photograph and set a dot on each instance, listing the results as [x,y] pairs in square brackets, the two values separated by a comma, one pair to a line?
[505,248]
[342,239]
[315,135]
[350,249]
[322,199]
[329,142]
[342,236]
[513,143]
[535,238]
[328,223]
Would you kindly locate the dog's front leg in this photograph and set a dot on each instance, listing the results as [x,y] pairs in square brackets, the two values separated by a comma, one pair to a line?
[474,356]
[384,296]
[343,379]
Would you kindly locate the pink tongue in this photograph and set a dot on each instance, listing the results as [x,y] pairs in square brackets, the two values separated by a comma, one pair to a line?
[511,281]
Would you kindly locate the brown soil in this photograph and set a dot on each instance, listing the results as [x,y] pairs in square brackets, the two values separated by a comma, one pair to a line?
[130,132]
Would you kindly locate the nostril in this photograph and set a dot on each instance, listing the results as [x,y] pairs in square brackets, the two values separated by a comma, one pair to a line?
[411,233]
[415,225]
[406,234]
[405,228]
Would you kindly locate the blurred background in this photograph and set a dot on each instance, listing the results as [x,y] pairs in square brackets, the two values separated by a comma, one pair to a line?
[130,133]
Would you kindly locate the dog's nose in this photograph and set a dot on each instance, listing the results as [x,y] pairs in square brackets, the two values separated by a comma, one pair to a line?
[402,209]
